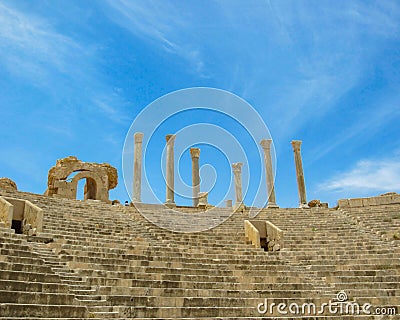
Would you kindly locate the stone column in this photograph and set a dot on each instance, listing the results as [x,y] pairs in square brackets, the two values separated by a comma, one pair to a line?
[299,174]
[266,145]
[137,167]
[228,203]
[169,198]
[195,154]
[237,171]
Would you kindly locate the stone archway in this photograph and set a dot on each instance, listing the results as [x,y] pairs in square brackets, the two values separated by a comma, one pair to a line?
[93,186]
[100,178]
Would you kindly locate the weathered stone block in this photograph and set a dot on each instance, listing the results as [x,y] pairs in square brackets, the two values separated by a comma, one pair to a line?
[356,202]
[21,210]
[372,201]
[366,202]
[6,212]
[343,203]
[396,198]
[383,200]
[7,184]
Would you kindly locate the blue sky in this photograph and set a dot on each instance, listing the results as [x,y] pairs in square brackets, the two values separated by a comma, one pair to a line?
[75,74]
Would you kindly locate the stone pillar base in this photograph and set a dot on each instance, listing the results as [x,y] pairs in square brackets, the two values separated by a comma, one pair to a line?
[170,205]
[203,200]
[304,206]
[239,207]
[272,206]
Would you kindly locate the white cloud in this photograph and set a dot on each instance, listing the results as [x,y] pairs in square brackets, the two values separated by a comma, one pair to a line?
[367,176]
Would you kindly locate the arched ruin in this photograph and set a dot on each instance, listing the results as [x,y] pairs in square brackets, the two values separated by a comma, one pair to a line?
[100,178]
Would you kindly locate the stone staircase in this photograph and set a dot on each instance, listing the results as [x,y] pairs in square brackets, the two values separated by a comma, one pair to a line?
[109,262]
[77,284]
[29,287]
[342,253]
[383,221]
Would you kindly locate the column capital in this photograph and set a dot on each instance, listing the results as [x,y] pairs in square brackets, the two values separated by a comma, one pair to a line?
[138,136]
[237,167]
[266,143]
[296,144]
[195,152]
[170,138]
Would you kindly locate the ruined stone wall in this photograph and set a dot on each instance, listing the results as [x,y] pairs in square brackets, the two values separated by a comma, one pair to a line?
[100,178]
[384,199]
[33,215]
[7,184]
[6,212]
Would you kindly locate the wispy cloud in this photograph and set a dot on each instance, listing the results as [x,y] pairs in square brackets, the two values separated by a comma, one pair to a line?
[309,100]
[370,122]
[367,176]
[107,105]
[32,49]
[381,18]
[333,54]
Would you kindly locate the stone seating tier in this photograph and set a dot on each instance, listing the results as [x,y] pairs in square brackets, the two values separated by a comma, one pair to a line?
[109,262]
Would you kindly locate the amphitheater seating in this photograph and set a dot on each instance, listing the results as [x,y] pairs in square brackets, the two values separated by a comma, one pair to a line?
[29,287]
[110,262]
[383,220]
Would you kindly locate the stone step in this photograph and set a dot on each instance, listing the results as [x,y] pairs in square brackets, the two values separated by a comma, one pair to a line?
[126,290]
[15,266]
[141,260]
[120,265]
[18,253]
[105,315]
[112,270]
[364,317]
[21,310]
[62,298]
[13,285]
[169,284]
[379,280]
[191,253]
[141,312]
[200,273]
[29,276]
[43,318]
